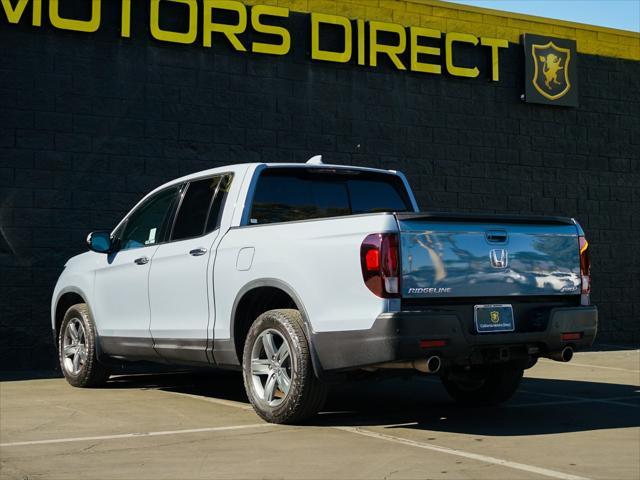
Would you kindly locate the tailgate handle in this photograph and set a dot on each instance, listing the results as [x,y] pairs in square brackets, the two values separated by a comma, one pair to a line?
[496,236]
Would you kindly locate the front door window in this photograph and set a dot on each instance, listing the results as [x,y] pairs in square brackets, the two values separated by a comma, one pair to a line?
[147,224]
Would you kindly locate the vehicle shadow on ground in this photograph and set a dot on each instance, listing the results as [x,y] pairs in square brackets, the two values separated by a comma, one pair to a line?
[541,407]
[54,371]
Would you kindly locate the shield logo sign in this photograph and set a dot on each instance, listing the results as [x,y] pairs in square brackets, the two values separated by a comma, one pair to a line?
[550,71]
[495,316]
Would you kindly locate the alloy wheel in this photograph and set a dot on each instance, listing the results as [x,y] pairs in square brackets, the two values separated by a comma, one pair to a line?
[271,367]
[74,346]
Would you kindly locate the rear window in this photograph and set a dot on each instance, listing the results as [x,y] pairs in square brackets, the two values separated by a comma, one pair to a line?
[285,195]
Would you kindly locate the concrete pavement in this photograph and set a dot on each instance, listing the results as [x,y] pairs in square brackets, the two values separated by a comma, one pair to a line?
[569,421]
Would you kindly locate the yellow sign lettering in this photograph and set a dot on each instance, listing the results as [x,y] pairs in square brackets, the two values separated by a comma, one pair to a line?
[392,51]
[333,38]
[281,48]
[450,39]
[90,25]
[316,51]
[495,44]
[14,14]
[125,21]
[361,39]
[176,37]
[230,31]
[417,49]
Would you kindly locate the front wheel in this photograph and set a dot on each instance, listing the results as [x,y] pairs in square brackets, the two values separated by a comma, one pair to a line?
[483,387]
[77,349]
[278,373]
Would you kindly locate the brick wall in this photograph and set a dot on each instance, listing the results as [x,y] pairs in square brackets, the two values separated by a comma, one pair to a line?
[90,122]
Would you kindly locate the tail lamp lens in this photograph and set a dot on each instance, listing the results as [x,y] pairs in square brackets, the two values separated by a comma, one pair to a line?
[379,257]
[585,265]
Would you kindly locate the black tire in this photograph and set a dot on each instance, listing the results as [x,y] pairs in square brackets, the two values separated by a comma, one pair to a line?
[306,394]
[488,386]
[90,373]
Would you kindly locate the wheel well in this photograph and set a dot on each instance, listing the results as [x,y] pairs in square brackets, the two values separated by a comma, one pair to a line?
[254,303]
[64,302]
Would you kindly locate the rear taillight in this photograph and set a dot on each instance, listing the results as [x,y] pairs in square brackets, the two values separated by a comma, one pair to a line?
[380,260]
[585,265]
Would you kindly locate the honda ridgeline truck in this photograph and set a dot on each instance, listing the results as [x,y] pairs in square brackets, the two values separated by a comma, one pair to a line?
[301,274]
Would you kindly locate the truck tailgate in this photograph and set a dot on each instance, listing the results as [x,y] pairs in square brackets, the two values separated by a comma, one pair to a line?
[446,255]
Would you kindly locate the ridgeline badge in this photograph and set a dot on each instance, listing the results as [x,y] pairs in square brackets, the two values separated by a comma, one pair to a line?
[550,71]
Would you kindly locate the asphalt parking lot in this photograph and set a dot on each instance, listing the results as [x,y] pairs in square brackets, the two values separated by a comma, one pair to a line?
[569,421]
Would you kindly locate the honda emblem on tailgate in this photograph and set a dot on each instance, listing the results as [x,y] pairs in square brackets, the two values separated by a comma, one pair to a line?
[499,258]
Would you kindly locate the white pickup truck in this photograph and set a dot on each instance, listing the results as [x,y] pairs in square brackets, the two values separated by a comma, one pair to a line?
[301,274]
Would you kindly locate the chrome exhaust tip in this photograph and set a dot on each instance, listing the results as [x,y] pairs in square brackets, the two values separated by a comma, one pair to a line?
[564,355]
[424,365]
[567,354]
[433,364]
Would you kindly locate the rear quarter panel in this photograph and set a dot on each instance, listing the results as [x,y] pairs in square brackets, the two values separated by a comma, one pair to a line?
[318,259]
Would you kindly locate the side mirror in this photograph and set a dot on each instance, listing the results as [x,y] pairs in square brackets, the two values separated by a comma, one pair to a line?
[99,242]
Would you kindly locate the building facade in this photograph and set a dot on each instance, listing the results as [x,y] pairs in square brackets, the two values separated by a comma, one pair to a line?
[101,101]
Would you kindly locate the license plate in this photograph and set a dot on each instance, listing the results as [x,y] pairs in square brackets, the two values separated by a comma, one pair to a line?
[494,318]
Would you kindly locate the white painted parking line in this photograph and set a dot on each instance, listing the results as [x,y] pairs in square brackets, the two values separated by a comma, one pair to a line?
[217,401]
[571,402]
[614,349]
[545,404]
[460,453]
[612,401]
[450,451]
[586,365]
[135,435]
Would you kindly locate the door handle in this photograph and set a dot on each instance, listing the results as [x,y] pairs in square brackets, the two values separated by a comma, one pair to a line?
[141,261]
[198,252]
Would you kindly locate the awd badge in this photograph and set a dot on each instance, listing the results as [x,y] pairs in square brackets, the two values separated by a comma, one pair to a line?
[550,70]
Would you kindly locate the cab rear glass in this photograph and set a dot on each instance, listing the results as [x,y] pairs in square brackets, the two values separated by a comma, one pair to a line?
[285,195]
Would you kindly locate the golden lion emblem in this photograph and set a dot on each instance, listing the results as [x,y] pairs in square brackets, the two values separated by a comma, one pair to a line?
[551,70]
[552,66]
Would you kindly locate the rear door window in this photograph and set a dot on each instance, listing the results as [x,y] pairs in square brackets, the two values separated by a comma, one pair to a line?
[201,207]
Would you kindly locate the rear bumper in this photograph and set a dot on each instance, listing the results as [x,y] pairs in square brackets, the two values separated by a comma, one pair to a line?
[397,336]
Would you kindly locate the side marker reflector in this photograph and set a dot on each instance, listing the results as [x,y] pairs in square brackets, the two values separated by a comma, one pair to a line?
[432,343]
[566,337]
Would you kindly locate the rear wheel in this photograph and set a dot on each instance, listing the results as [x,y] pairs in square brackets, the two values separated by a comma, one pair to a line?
[278,373]
[488,386]
[77,349]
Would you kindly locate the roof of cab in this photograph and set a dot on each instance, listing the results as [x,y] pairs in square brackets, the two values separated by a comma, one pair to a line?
[256,165]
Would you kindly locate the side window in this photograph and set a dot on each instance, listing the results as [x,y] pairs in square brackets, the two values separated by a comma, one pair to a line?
[201,207]
[146,226]
[217,207]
